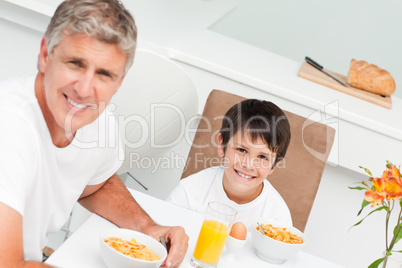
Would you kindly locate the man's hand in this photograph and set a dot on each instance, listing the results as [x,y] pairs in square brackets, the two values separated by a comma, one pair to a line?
[176,242]
[113,201]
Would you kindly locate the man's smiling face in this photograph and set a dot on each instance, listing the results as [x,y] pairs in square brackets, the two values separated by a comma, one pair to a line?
[80,77]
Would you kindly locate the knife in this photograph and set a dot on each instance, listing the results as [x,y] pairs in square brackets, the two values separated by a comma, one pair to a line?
[321,68]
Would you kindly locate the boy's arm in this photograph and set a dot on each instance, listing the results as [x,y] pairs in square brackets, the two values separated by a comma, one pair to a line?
[11,242]
[179,196]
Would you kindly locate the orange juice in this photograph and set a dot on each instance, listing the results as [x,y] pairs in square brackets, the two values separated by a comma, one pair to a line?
[211,241]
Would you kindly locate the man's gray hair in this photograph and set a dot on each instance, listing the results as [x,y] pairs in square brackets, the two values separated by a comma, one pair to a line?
[106,20]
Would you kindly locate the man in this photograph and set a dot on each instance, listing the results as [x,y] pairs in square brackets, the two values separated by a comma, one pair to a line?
[87,49]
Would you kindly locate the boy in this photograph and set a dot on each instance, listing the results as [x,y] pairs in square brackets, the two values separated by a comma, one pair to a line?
[254,137]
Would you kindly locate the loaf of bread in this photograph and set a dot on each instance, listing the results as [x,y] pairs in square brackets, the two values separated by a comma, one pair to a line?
[371,78]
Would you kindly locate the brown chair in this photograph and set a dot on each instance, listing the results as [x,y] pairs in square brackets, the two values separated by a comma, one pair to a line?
[296,179]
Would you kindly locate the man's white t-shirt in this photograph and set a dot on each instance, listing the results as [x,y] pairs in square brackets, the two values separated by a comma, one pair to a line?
[195,191]
[39,180]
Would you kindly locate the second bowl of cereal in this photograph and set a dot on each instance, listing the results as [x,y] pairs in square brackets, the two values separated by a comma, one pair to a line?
[279,241]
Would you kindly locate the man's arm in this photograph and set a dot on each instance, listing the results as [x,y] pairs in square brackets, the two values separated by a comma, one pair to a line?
[11,248]
[114,202]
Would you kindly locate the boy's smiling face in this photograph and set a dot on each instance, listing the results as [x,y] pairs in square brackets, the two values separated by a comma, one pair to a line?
[247,164]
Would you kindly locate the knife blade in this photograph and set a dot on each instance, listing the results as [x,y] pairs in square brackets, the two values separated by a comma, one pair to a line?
[321,68]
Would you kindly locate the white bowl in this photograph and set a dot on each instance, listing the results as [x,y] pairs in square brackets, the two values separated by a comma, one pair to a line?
[272,250]
[115,259]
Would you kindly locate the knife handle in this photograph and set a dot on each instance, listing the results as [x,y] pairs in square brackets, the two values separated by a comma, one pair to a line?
[313,63]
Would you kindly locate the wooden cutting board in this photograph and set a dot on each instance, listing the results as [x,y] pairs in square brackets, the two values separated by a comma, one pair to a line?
[310,73]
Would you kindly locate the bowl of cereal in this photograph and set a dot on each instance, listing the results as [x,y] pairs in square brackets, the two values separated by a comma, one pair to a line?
[279,241]
[125,248]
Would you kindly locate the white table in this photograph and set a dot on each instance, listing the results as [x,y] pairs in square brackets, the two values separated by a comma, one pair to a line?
[82,248]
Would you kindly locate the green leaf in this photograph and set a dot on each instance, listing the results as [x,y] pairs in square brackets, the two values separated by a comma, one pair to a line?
[399,235]
[389,164]
[387,209]
[364,204]
[376,263]
[377,209]
[357,223]
[371,212]
[357,188]
[367,171]
[360,187]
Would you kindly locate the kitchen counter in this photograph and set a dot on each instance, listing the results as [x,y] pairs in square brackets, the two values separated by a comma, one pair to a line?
[191,42]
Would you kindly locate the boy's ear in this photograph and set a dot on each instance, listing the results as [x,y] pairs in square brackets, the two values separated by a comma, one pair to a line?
[221,151]
[272,169]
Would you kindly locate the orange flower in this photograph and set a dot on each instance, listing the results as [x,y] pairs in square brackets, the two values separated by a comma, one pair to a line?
[388,187]
[393,189]
[377,193]
[392,172]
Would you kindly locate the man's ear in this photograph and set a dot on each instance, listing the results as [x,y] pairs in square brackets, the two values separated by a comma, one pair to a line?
[221,151]
[43,56]
[119,84]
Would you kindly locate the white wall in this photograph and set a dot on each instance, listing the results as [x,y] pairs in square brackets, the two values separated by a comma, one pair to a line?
[19,49]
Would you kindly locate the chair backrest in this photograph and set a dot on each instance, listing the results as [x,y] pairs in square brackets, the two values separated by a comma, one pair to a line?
[152,106]
[296,179]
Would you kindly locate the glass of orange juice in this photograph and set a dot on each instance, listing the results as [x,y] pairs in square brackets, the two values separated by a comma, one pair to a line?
[214,232]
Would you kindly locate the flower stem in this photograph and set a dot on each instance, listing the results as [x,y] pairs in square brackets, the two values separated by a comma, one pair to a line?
[387,248]
[395,236]
[386,226]
[397,230]
[384,263]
